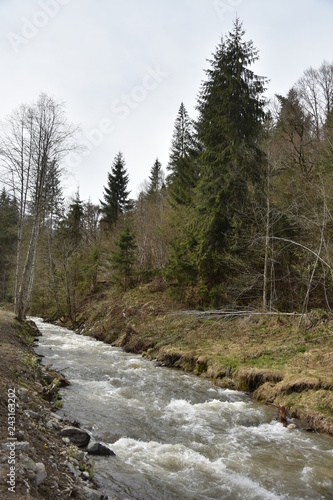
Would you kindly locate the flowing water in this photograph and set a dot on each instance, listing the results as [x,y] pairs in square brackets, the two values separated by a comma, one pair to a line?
[178,437]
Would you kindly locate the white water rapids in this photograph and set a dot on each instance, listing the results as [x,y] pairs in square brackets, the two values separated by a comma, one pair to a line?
[178,437]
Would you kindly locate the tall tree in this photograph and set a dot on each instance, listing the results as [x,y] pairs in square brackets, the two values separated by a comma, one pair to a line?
[35,139]
[231,113]
[315,91]
[182,163]
[300,145]
[156,181]
[303,136]
[211,254]
[74,218]
[71,233]
[116,199]
[8,223]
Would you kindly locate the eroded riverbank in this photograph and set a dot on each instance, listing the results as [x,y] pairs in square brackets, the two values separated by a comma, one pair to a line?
[272,357]
[168,429]
[177,436]
[35,462]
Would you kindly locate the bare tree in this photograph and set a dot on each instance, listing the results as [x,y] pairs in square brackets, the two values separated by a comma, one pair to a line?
[35,140]
[315,89]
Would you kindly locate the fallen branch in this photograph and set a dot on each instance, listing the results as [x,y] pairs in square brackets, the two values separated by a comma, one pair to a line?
[321,337]
[234,313]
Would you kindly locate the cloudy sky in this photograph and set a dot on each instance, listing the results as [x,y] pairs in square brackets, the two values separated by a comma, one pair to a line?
[122,68]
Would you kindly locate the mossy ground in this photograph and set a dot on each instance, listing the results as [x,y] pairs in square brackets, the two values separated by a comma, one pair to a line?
[272,356]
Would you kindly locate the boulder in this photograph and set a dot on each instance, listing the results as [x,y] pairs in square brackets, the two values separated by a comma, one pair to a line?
[72,469]
[81,455]
[38,387]
[22,446]
[90,494]
[96,448]
[53,424]
[33,414]
[76,436]
[41,473]
[23,394]
[27,463]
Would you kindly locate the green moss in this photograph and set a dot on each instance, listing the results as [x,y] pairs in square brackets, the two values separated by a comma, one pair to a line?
[24,330]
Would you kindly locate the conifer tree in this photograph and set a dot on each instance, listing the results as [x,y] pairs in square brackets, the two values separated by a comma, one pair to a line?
[294,125]
[182,165]
[74,218]
[212,246]
[124,257]
[230,107]
[8,228]
[155,180]
[116,199]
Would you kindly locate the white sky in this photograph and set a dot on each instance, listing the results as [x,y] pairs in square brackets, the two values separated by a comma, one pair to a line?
[123,67]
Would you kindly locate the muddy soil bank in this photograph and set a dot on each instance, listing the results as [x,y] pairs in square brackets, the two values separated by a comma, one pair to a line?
[36,461]
[273,357]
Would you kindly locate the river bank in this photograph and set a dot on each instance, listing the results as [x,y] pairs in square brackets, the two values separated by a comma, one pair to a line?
[36,461]
[271,356]
[176,436]
[146,321]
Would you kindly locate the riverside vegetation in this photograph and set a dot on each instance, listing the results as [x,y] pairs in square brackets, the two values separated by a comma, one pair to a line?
[241,223]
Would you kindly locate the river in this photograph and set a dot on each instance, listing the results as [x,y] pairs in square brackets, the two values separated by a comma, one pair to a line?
[178,437]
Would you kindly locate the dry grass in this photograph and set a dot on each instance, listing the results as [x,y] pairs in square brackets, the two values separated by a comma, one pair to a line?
[267,355]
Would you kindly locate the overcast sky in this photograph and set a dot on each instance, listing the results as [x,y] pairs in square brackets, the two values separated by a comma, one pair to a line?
[122,68]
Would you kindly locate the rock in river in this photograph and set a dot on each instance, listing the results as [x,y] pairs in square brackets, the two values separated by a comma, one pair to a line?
[96,448]
[76,436]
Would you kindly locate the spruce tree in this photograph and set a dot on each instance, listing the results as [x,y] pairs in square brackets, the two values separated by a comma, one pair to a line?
[8,237]
[212,247]
[74,219]
[123,258]
[116,199]
[229,125]
[155,180]
[182,163]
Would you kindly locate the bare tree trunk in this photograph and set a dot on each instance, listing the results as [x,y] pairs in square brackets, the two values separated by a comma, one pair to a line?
[53,283]
[27,277]
[67,285]
[34,141]
[21,169]
[267,241]
[306,300]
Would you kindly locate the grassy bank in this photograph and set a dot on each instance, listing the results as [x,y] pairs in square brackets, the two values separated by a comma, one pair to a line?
[269,356]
